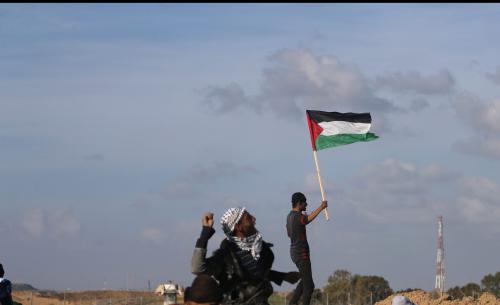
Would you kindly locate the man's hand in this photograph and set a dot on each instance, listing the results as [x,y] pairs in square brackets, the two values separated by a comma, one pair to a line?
[324,204]
[292,277]
[208,220]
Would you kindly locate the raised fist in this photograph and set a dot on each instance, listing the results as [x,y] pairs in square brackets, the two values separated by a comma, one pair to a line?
[208,220]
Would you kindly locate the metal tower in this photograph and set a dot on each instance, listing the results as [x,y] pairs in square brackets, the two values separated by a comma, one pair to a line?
[440,258]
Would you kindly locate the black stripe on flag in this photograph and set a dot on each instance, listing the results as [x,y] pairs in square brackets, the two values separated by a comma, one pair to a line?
[324,116]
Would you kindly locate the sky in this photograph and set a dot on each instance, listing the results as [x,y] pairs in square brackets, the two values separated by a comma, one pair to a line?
[121,124]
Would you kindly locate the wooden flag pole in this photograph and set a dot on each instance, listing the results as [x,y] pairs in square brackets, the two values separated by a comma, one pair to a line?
[320,183]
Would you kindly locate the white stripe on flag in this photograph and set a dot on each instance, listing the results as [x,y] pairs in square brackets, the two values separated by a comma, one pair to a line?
[342,127]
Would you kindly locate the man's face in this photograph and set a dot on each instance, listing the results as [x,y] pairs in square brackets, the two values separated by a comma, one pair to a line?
[246,225]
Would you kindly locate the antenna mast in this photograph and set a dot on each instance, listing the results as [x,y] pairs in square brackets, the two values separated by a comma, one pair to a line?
[440,258]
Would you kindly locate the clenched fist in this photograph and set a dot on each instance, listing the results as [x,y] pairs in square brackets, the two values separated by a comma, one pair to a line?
[208,219]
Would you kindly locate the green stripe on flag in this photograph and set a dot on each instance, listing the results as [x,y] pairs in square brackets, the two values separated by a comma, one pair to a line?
[323,142]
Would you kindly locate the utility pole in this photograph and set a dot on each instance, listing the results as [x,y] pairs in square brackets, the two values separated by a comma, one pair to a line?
[439,285]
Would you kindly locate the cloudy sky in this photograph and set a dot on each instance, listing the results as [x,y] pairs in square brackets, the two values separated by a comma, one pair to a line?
[121,124]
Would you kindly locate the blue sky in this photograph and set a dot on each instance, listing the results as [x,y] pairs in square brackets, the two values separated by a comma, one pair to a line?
[121,124]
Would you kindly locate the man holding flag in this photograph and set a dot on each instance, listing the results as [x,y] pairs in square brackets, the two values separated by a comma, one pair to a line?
[299,248]
[327,129]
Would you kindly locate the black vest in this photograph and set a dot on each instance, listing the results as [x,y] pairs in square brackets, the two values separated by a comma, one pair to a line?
[245,280]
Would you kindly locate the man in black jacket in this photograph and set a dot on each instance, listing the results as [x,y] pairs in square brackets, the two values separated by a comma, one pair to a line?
[5,289]
[243,262]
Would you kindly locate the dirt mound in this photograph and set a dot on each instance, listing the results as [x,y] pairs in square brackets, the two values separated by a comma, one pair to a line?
[426,298]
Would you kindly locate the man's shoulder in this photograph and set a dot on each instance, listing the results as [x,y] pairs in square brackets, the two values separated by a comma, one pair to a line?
[226,247]
[294,215]
[5,288]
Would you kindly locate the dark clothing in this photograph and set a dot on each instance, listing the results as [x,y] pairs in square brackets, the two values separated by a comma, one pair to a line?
[5,292]
[243,280]
[299,251]
[305,287]
[256,269]
[296,228]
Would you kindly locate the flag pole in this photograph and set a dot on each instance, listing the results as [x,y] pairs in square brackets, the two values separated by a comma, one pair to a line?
[320,183]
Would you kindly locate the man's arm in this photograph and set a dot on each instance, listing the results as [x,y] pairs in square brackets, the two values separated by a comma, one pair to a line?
[278,277]
[199,262]
[315,213]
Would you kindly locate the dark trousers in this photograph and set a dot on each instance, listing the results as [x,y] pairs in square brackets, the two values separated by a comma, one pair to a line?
[305,287]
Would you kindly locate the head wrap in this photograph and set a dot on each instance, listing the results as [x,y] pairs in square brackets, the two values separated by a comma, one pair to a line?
[230,218]
[252,243]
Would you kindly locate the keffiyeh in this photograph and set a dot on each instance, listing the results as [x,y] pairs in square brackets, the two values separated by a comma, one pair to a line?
[252,243]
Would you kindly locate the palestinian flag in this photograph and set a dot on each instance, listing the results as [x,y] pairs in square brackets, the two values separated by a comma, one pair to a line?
[329,129]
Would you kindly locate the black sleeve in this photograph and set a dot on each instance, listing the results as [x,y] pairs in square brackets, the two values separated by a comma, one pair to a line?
[205,235]
[276,276]
[213,265]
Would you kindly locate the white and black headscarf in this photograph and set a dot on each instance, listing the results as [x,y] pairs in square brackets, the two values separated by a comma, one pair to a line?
[252,243]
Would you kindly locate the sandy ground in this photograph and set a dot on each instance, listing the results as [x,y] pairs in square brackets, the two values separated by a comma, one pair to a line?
[425,298]
[87,298]
[148,298]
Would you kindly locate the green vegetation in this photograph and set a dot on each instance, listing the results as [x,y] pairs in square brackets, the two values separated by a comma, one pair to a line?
[22,287]
[344,288]
[489,283]
[277,299]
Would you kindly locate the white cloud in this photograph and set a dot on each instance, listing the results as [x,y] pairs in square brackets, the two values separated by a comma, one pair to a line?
[418,104]
[228,98]
[480,116]
[441,82]
[185,185]
[33,222]
[483,119]
[396,191]
[56,223]
[483,147]
[478,201]
[62,224]
[297,79]
[403,192]
[494,77]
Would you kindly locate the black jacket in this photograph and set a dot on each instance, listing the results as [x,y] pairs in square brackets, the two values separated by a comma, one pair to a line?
[238,286]
[5,292]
